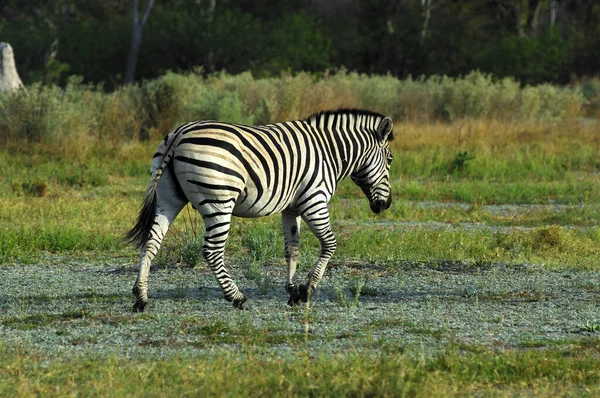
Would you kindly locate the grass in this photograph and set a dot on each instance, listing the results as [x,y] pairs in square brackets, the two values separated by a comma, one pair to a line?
[89,220]
[478,371]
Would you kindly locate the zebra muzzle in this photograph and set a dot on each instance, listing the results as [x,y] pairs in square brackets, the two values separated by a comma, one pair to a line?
[377,206]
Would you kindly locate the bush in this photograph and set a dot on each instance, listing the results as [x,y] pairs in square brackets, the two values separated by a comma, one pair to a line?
[80,117]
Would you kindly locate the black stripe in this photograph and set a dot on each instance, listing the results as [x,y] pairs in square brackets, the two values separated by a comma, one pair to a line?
[211,165]
[215,186]
[218,213]
[216,226]
[316,193]
[234,151]
[211,201]
[230,129]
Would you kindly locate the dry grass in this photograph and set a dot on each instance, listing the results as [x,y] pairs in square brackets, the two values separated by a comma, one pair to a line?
[495,137]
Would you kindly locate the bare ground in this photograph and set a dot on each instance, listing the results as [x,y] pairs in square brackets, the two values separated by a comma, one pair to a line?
[64,307]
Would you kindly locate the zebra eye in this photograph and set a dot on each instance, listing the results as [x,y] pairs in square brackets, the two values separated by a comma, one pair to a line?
[390,159]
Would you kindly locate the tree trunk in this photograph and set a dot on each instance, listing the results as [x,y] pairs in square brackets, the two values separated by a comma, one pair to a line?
[553,11]
[426,4]
[535,18]
[136,39]
[209,58]
[9,78]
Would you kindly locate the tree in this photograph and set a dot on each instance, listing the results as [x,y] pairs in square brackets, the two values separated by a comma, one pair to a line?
[136,39]
[426,4]
[9,78]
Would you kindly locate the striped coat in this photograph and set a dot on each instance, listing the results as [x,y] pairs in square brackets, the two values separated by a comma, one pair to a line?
[291,168]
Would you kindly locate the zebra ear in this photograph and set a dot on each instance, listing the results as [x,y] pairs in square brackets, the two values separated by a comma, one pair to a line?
[384,129]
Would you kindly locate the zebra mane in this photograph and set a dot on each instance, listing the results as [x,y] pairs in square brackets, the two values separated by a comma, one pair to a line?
[316,117]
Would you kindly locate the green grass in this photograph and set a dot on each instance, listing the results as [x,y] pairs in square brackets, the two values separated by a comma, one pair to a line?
[68,223]
[355,210]
[553,247]
[457,372]
[85,221]
[35,321]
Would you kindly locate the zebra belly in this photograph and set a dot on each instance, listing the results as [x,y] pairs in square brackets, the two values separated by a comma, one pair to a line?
[249,205]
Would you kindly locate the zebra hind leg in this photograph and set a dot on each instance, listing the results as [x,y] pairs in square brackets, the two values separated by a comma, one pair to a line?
[168,206]
[216,231]
[149,251]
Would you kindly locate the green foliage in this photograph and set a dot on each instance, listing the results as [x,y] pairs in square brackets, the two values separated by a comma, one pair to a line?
[177,36]
[191,251]
[590,327]
[534,60]
[460,162]
[80,118]
[58,116]
[480,96]
[295,43]
[458,371]
[355,286]
[404,39]
[261,242]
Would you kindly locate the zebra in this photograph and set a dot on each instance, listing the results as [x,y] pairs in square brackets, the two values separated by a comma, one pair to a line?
[291,168]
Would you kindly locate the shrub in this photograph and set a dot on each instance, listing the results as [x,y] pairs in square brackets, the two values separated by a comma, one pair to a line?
[80,118]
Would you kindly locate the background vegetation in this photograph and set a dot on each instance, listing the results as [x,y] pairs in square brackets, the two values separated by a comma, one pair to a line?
[87,118]
[533,41]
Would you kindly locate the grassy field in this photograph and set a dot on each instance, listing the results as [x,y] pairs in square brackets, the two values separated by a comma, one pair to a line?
[481,279]
[540,180]
[478,372]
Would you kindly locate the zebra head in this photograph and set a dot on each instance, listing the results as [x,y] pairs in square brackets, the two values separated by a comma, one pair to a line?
[373,175]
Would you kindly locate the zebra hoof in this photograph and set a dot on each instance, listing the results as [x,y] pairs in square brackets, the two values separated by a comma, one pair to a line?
[304,292]
[241,304]
[139,306]
[297,294]
[294,295]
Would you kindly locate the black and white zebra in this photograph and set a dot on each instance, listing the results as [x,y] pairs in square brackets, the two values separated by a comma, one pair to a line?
[291,168]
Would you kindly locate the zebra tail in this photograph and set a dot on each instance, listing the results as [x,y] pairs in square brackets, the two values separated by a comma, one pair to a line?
[138,235]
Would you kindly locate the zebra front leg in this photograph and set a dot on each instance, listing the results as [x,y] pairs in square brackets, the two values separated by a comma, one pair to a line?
[215,237]
[291,232]
[318,222]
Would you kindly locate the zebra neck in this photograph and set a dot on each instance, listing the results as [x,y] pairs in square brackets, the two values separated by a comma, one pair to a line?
[347,155]
[348,135]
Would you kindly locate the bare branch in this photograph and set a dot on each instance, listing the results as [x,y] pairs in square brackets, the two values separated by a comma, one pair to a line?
[136,39]
[553,11]
[147,12]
